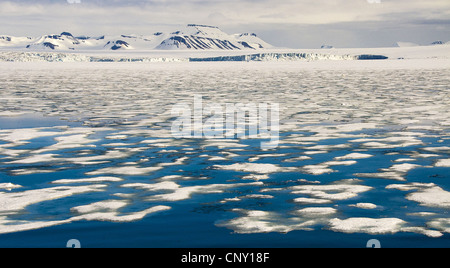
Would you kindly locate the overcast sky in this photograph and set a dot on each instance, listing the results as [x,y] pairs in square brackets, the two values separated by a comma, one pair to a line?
[284,23]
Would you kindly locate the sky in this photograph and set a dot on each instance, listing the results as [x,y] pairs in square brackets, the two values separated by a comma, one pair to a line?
[283,23]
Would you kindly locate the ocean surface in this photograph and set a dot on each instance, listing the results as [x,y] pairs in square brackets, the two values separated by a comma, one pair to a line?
[87,152]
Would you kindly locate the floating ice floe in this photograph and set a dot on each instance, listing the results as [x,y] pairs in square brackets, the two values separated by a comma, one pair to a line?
[395,172]
[126,170]
[178,193]
[353,156]
[324,168]
[314,212]
[364,206]
[22,136]
[68,142]
[107,205]
[88,180]
[329,192]
[318,169]
[300,158]
[9,186]
[308,200]
[260,156]
[442,163]
[254,221]
[16,201]
[404,160]
[29,171]
[421,214]
[442,149]
[114,216]
[226,200]
[367,225]
[222,144]
[100,211]
[256,177]
[426,194]
[441,224]
[116,137]
[253,168]
[378,226]
[256,196]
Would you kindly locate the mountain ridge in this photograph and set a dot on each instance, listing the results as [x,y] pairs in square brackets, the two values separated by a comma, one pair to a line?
[192,37]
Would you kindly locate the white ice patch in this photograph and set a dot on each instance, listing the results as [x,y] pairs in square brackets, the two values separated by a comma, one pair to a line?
[304,200]
[295,159]
[389,142]
[255,221]
[378,226]
[442,163]
[12,226]
[256,196]
[127,170]
[353,156]
[114,216]
[178,193]
[88,180]
[318,169]
[330,192]
[101,211]
[67,142]
[226,200]
[256,158]
[422,214]
[222,144]
[107,205]
[255,177]
[367,225]
[404,160]
[9,186]
[21,136]
[364,206]
[16,201]
[340,163]
[441,224]
[395,172]
[108,210]
[252,168]
[34,159]
[28,171]
[314,212]
[426,194]
[443,149]
[324,168]
[117,137]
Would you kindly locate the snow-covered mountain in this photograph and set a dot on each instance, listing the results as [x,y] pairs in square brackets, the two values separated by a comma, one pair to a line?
[410,44]
[192,37]
[438,43]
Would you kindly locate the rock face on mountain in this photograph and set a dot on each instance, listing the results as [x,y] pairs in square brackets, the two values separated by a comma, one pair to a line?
[192,37]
